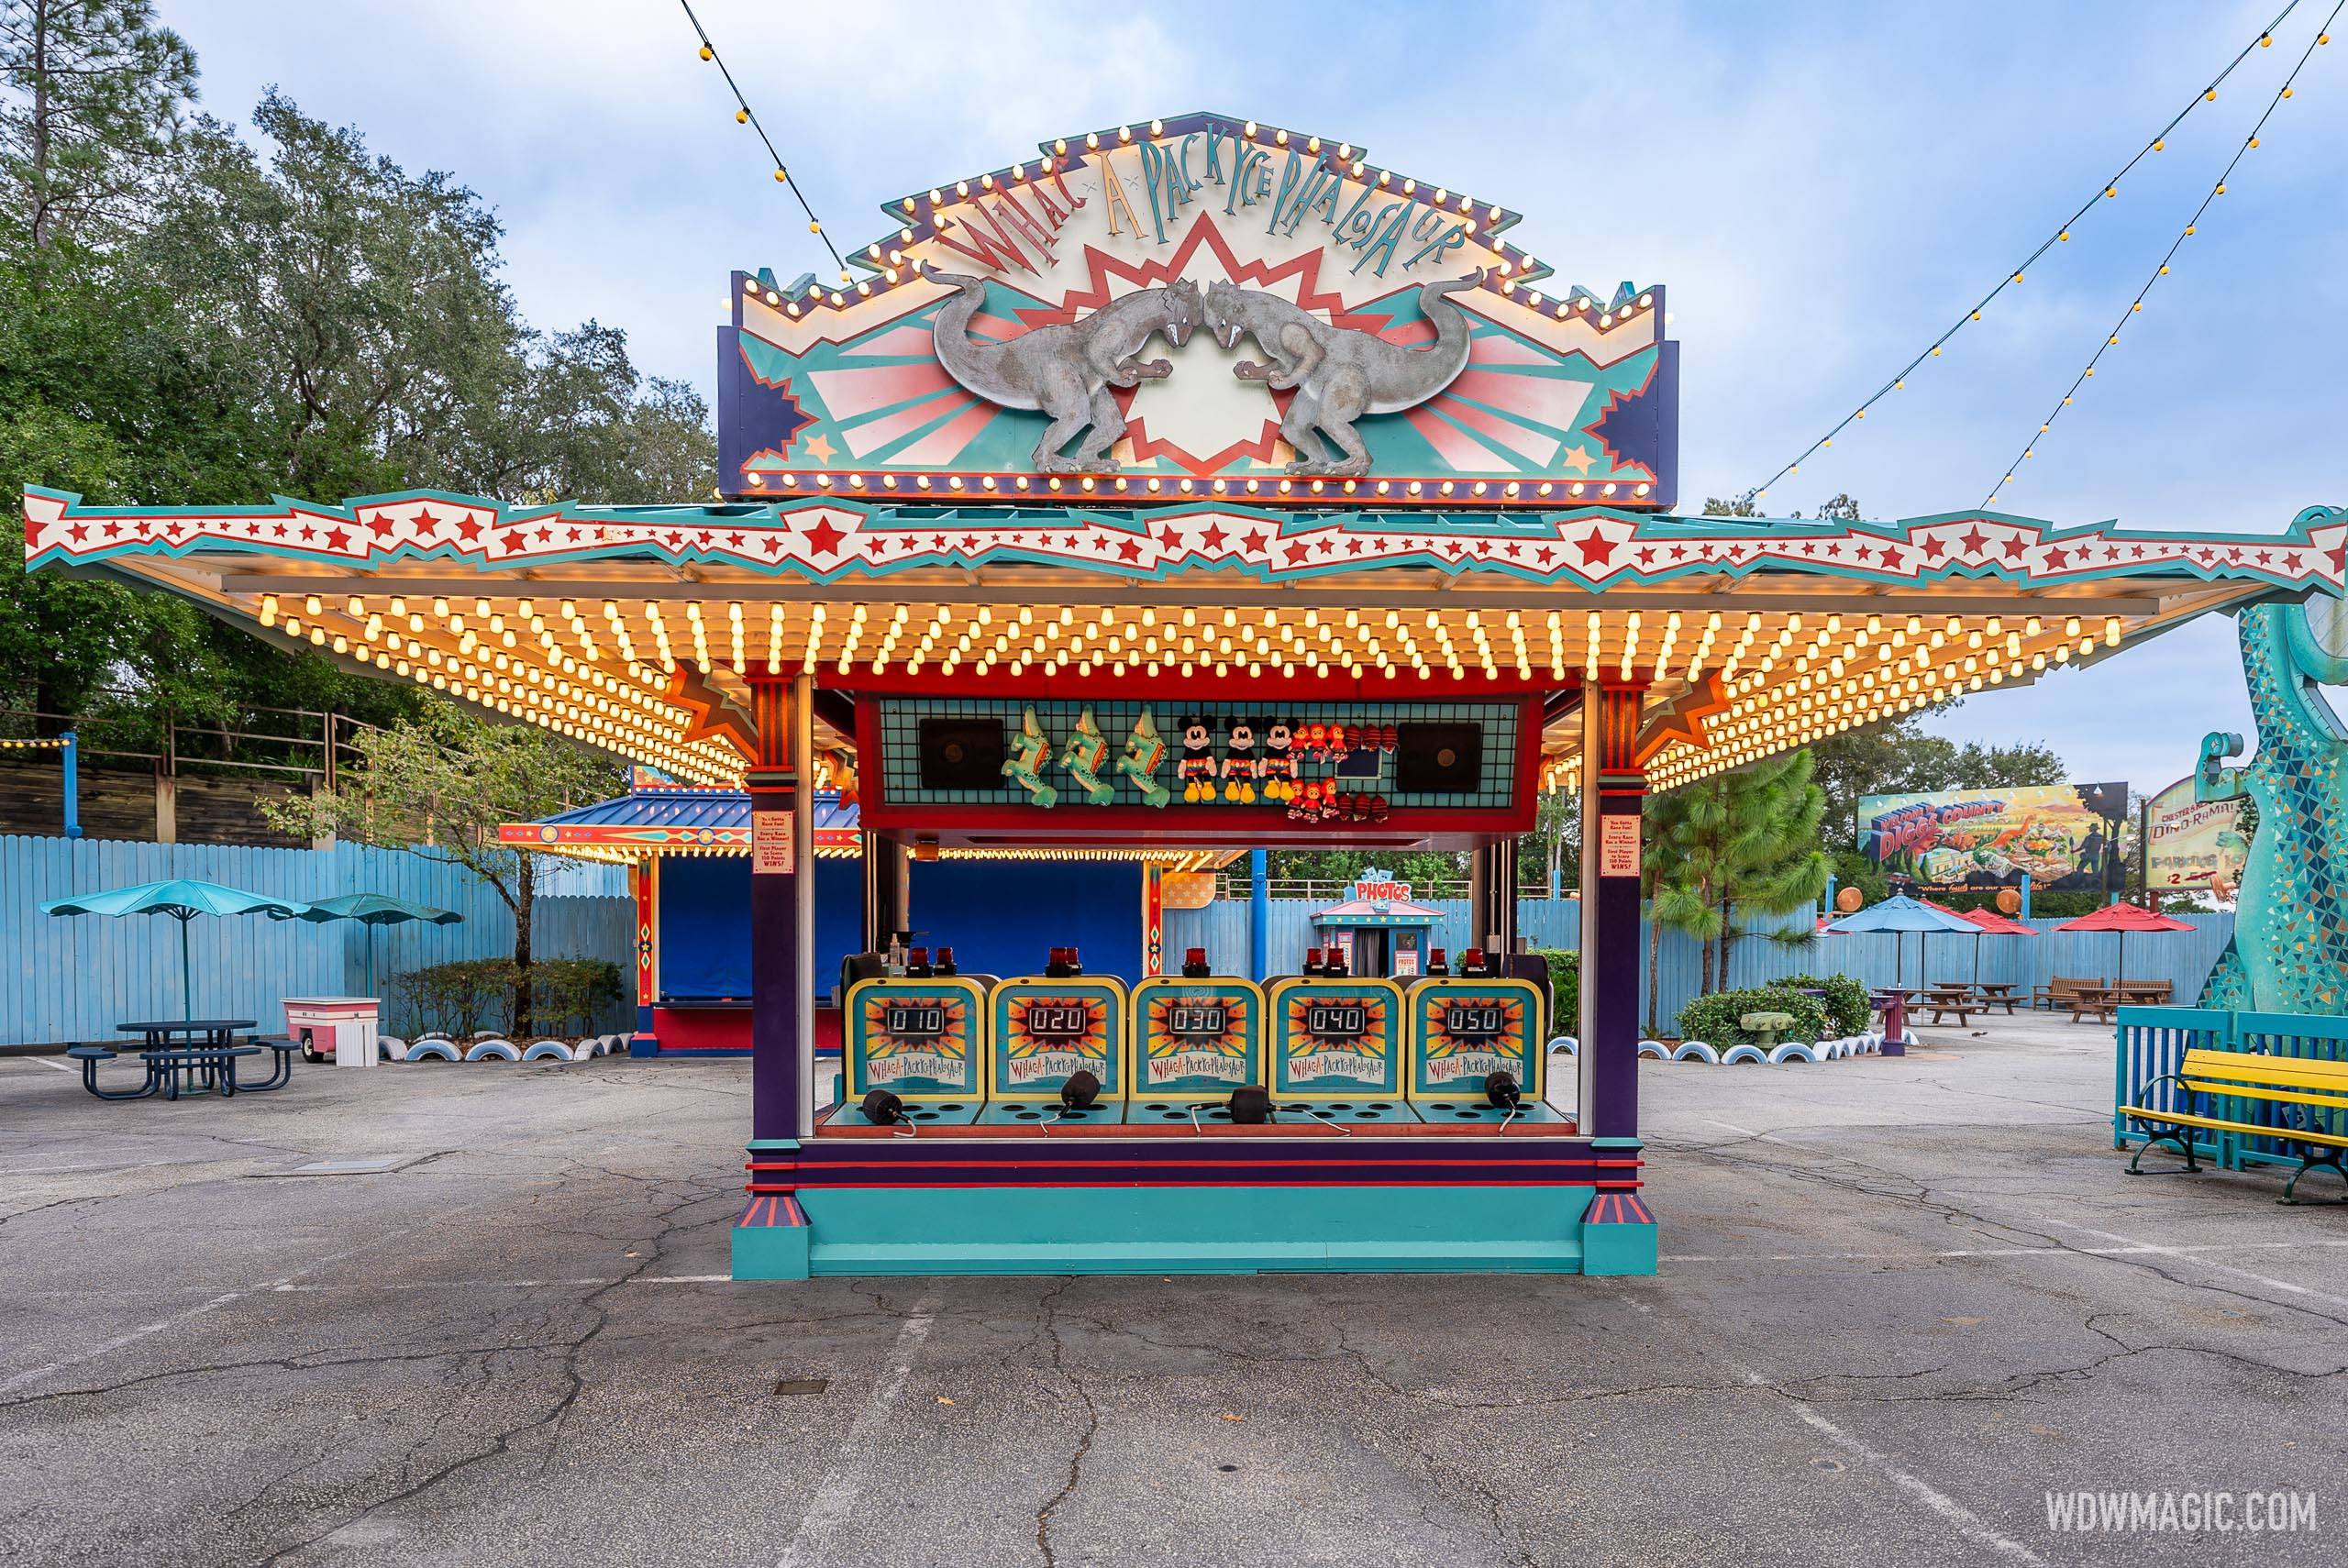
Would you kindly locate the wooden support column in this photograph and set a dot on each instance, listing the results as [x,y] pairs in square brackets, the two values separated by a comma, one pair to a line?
[1613,788]
[644,881]
[783,916]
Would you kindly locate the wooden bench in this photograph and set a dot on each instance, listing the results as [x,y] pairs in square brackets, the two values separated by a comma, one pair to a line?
[2213,1078]
[2062,991]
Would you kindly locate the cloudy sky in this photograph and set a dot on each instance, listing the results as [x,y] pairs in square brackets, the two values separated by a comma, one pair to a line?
[1865,170]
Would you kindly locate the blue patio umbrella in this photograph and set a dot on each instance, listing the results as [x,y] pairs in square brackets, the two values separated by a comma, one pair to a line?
[182,901]
[1899,914]
[371,911]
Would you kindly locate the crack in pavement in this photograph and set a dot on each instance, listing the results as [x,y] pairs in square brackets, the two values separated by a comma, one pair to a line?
[1049,1327]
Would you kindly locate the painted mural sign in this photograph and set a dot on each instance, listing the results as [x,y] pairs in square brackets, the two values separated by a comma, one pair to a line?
[2063,837]
[1197,307]
[2195,843]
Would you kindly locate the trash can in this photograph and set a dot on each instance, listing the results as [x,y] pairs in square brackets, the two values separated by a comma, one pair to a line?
[342,1027]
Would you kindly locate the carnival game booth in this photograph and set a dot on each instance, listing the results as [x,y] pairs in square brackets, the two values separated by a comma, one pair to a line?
[687,849]
[1120,468]
[1378,931]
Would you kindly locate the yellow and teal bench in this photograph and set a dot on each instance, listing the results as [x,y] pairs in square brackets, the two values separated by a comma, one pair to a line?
[2226,1086]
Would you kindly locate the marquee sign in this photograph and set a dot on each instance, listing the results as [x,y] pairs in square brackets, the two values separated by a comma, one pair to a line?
[1195,308]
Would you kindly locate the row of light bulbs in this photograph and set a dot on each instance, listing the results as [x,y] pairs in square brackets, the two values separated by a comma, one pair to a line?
[1158,484]
[1786,674]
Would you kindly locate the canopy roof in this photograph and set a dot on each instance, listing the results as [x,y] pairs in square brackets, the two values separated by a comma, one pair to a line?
[634,628]
[655,819]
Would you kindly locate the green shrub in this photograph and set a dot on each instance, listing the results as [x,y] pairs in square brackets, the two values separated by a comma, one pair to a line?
[1714,1019]
[567,995]
[1564,989]
[1848,1012]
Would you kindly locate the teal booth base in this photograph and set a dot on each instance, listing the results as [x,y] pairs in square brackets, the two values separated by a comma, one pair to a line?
[1545,1228]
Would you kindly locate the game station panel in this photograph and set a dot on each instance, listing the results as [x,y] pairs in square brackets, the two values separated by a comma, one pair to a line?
[1477,1053]
[1055,1051]
[1336,1050]
[1198,1052]
[911,1053]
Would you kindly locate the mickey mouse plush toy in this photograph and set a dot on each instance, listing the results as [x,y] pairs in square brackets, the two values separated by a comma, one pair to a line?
[1240,764]
[1196,768]
[1278,764]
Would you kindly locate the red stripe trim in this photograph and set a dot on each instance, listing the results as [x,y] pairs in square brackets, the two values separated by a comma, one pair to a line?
[821,1167]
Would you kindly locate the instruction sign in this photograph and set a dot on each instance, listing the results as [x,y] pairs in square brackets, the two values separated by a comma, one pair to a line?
[1618,844]
[770,843]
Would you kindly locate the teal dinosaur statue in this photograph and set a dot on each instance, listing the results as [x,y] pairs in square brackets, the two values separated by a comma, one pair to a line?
[1029,748]
[1086,750]
[2289,952]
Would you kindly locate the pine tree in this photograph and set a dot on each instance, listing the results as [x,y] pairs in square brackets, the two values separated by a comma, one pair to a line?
[93,91]
[1733,846]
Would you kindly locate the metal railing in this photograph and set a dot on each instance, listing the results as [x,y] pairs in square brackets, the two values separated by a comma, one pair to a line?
[295,742]
[1231,882]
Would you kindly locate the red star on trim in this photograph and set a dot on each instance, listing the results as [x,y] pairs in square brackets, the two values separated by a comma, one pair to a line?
[1596,547]
[2016,547]
[382,525]
[2058,558]
[1646,558]
[1257,541]
[1213,536]
[79,532]
[424,520]
[467,529]
[338,539]
[1973,540]
[1168,538]
[2338,554]
[1352,546]
[1129,547]
[1542,554]
[1296,550]
[1888,556]
[824,539]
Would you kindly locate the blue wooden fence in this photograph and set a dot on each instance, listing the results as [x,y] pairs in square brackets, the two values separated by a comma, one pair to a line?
[2183,958]
[75,978]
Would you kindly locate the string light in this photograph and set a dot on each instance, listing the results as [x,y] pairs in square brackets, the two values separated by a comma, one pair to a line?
[745,114]
[2012,276]
[2111,339]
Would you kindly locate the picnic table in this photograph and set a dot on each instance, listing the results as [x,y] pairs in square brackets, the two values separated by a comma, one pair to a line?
[2105,1001]
[188,1056]
[1993,992]
[1942,1000]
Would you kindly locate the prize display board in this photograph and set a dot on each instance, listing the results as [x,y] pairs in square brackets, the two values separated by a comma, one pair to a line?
[919,1039]
[1336,1037]
[1042,1031]
[1198,1038]
[1463,1030]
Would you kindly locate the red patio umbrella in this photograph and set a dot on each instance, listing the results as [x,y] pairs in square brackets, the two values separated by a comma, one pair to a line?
[2124,918]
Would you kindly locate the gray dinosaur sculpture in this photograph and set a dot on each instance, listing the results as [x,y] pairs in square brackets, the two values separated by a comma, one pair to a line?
[1065,370]
[1339,373]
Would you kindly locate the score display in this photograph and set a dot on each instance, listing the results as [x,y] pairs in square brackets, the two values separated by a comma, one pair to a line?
[1336,1021]
[1197,1020]
[1474,1023]
[1059,1021]
[914,1021]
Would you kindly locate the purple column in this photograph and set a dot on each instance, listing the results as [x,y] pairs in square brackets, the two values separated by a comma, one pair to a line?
[782,887]
[1613,789]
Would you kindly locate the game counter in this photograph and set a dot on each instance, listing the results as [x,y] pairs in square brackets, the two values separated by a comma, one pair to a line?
[1202,1057]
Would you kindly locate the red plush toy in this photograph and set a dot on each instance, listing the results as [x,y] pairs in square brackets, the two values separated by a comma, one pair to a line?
[1306,806]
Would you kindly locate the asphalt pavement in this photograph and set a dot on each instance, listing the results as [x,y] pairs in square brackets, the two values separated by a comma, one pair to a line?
[1901,1302]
